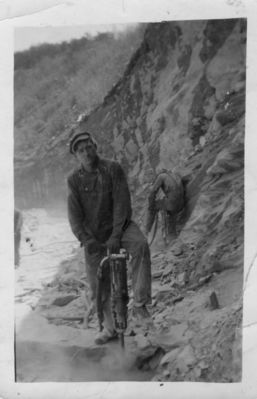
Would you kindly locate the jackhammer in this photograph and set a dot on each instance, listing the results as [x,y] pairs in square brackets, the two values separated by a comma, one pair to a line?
[117,264]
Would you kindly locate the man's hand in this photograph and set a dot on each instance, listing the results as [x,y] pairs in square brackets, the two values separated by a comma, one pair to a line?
[113,245]
[92,246]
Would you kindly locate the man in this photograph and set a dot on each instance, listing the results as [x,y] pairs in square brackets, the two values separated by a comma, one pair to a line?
[168,185]
[99,211]
[18,221]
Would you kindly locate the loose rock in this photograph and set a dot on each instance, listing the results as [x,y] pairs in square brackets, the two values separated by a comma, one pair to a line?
[214,301]
[64,300]
[169,357]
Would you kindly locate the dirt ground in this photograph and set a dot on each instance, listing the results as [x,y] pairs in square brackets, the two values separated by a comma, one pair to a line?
[191,337]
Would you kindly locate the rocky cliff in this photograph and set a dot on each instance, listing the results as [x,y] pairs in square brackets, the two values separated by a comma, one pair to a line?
[160,110]
[181,105]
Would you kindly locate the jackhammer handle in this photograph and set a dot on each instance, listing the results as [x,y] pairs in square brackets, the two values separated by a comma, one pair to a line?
[100,268]
[104,260]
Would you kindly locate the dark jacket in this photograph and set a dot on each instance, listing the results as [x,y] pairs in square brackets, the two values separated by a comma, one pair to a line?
[99,204]
[172,187]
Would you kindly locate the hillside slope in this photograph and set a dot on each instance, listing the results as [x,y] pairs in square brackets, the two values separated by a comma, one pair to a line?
[181,105]
[53,84]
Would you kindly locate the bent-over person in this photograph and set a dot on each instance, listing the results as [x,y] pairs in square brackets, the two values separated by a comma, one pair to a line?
[167,195]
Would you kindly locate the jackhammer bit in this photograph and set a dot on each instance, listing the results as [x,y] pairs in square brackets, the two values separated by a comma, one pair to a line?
[119,291]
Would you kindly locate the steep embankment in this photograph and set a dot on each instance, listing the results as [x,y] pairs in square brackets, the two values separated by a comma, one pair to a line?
[53,84]
[181,104]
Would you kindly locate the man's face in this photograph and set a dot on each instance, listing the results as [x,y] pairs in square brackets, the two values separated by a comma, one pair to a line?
[86,152]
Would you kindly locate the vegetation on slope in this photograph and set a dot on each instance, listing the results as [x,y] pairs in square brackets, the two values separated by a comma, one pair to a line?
[53,84]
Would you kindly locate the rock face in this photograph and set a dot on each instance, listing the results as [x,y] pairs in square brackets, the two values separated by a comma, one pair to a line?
[181,105]
[183,76]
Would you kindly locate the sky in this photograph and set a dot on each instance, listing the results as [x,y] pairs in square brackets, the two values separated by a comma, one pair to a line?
[25,37]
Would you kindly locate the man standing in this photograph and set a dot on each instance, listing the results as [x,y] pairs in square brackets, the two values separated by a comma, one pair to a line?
[18,221]
[99,211]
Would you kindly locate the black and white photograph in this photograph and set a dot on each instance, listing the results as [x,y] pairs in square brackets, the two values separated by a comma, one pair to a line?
[129,208]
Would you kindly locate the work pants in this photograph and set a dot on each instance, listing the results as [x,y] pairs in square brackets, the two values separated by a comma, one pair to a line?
[134,242]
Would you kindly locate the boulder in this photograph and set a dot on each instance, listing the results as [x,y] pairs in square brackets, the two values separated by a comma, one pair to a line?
[166,373]
[177,249]
[157,274]
[170,356]
[64,300]
[163,292]
[185,359]
[182,278]
[175,338]
[233,109]
[154,361]
[142,342]
[168,269]
[149,357]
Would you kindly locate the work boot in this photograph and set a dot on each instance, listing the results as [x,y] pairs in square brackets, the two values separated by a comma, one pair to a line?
[108,332]
[105,336]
